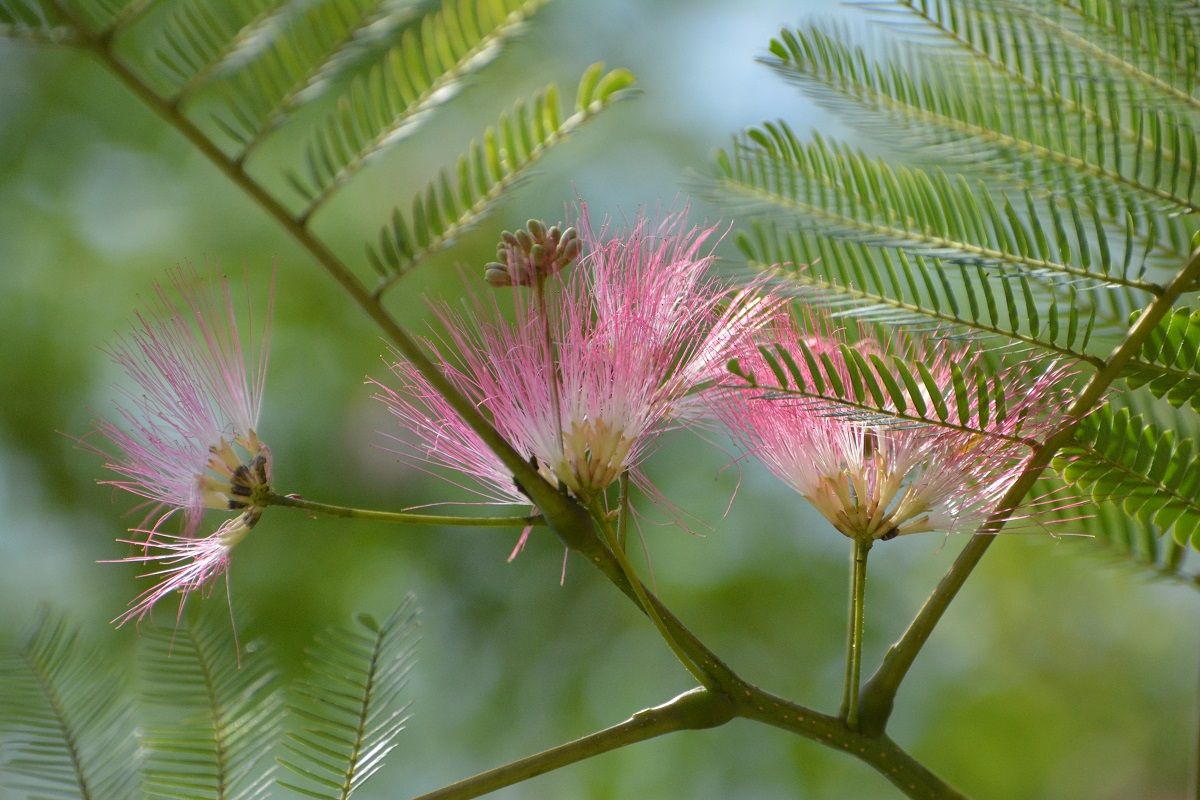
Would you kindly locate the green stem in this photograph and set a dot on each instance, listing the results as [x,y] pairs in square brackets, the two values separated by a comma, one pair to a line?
[858,585]
[403,518]
[884,755]
[692,710]
[623,511]
[643,600]
[699,709]
[879,694]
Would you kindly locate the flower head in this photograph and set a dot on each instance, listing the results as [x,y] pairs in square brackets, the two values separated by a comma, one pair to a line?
[876,479]
[185,438]
[595,364]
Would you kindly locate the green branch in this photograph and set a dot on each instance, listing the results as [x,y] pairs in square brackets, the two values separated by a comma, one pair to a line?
[399,517]
[692,710]
[699,709]
[885,756]
[879,694]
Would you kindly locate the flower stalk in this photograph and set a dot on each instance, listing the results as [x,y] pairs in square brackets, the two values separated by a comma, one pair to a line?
[693,710]
[858,586]
[400,517]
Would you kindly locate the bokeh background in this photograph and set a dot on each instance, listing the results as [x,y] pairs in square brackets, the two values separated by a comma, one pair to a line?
[1055,674]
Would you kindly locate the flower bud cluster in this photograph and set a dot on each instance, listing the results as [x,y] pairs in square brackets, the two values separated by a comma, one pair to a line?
[533,254]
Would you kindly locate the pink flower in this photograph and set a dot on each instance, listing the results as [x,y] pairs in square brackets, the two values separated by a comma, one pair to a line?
[583,382]
[186,438]
[879,479]
[185,564]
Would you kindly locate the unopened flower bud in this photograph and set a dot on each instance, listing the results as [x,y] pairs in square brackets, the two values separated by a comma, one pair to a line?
[496,274]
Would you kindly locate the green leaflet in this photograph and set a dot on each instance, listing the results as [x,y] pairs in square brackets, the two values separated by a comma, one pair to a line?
[202,41]
[310,50]
[1035,169]
[34,21]
[829,188]
[1169,362]
[240,70]
[981,119]
[1117,536]
[1120,457]
[45,21]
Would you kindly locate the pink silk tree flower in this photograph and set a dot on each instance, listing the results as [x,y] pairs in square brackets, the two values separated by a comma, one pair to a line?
[596,363]
[185,437]
[877,479]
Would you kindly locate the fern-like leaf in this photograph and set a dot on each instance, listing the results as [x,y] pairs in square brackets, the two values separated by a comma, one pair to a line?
[303,63]
[203,40]
[1093,112]
[1096,45]
[1120,457]
[52,22]
[891,288]
[66,720]
[349,708]
[425,69]
[1161,38]
[978,118]
[223,714]
[834,189]
[889,388]
[1104,528]
[491,165]
[1169,362]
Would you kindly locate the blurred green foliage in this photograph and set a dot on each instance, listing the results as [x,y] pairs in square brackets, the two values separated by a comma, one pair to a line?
[1054,675]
